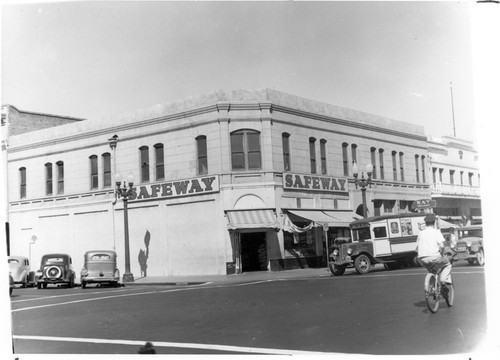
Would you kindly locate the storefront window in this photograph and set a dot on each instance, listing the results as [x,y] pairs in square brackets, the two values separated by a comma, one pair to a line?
[302,244]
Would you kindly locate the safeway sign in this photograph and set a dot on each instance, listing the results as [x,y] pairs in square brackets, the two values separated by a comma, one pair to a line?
[423,204]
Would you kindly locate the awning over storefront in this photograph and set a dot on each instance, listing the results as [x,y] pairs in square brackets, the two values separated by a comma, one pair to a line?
[445,224]
[252,219]
[332,218]
[344,218]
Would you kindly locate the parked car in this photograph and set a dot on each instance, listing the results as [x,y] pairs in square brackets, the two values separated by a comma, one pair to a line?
[19,267]
[99,268]
[468,244]
[11,284]
[55,269]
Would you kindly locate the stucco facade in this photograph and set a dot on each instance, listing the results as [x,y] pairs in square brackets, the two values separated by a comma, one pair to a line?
[217,200]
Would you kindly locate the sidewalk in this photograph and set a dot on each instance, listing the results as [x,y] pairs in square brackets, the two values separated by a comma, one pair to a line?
[235,278]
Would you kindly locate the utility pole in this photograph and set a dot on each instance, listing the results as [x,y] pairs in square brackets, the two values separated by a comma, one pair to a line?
[453,110]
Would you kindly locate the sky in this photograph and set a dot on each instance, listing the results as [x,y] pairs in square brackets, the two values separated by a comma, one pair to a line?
[401,60]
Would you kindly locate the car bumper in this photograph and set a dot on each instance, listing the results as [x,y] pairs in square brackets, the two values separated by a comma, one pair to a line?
[100,279]
[342,262]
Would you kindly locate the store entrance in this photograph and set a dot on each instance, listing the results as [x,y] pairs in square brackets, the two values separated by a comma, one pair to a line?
[253,252]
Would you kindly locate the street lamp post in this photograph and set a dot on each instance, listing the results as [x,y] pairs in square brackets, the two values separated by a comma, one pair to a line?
[363,183]
[124,189]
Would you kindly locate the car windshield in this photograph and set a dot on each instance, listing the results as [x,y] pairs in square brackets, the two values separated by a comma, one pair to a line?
[100,257]
[54,260]
[13,261]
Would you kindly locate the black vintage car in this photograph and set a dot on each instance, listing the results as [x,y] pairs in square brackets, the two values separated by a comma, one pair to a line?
[55,269]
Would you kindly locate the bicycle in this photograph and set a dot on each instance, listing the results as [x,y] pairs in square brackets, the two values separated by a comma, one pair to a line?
[434,290]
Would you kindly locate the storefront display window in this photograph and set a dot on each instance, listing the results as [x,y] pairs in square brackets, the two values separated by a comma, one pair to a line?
[302,244]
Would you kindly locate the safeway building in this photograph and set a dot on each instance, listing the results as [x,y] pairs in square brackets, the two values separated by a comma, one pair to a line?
[227,182]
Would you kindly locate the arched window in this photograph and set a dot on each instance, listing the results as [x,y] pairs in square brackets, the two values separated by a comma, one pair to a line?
[144,157]
[94,172]
[22,183]
[373,154]
[312,154]
[285,141]
[48,179]
[381,163]
[245,150]
[202,155]
[354,151]
[159,162]
[394,166]
[402,166]
[106,167]
[60,177]
[423,168]
[345,159]
[417,171]
[322,147]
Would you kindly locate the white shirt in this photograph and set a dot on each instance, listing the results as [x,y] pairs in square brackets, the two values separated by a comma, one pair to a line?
[429,242]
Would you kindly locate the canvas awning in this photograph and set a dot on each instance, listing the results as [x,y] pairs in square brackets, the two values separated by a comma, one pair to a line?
[332,218]
[252,219]
[344,218]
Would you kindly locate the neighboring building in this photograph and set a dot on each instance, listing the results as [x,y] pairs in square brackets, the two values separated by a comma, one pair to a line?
[455,179]
[231,181]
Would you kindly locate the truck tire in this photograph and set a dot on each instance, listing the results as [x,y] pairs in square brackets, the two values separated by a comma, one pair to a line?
[362,264]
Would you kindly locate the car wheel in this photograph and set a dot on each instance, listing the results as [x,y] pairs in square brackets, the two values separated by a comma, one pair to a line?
[471,261]
[362,264]
[84,284]
[25,283]
[480,258]
[39,285]
[44,285]
[10,291]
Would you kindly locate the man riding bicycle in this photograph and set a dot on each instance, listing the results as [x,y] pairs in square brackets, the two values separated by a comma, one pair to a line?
[430,245]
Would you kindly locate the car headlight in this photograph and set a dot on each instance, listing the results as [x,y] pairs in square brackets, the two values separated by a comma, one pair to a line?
[349,251]
[335,252]
[84,272]
[469,244]
[452,245]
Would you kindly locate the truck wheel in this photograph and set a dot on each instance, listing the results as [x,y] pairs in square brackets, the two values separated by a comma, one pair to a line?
[337,270]
[362,264]
[480,258]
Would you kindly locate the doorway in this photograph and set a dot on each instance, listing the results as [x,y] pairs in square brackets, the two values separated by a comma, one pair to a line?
[253,252]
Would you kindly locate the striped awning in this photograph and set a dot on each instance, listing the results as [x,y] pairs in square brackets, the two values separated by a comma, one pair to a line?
[252,219]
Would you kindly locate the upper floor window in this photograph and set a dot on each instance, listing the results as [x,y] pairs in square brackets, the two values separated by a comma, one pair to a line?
[354,153]
[434,171]
[322,146]
[417,172]
[423,168]
[60,177]
[22,183]
[461,178]
[441,175]
[285,141]
[106,165]
[381,163]
[452,177]
[345,159]
[48,179]
[374,161]
[312,154]
[402,166]
[144,158]
[159,162]
[394,166]
[202,156]
[245,150]
[94,172]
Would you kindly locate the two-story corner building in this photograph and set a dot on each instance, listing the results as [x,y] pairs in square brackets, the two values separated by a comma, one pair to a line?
[231,181]
[454,164]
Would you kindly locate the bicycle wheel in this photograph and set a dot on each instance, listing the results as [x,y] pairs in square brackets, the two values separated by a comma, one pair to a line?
[431,295]
[450,296]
